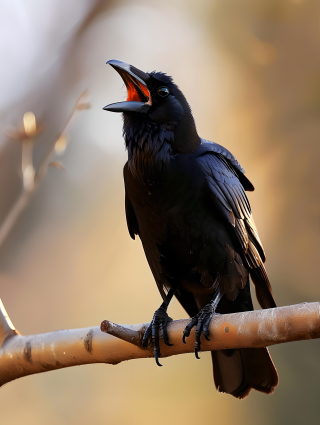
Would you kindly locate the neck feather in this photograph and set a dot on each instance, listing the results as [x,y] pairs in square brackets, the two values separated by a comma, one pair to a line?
[149,148]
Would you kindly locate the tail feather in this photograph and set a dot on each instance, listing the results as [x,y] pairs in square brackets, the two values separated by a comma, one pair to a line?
[263,287]
[237,372]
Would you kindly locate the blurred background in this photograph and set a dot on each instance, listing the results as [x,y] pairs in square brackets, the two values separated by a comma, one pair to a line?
[251,73]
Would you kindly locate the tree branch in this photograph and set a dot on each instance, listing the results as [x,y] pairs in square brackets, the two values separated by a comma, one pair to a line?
[27,355]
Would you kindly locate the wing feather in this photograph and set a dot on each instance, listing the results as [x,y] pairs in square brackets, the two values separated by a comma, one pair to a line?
[222,175]
[132,221]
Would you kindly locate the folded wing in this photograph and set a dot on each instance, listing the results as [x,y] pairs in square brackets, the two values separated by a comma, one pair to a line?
[226,185]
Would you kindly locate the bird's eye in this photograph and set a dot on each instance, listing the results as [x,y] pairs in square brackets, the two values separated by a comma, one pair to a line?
[163,91]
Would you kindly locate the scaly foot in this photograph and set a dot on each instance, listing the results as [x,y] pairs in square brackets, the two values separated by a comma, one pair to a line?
[202,321]
[160,321]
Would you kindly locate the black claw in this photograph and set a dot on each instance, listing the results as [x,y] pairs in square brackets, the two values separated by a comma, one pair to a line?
[186,333]
[188,328]
[164,334]
[206,331]
[156,350]
[202,322]
[159,322]
[197,344]
[157,361]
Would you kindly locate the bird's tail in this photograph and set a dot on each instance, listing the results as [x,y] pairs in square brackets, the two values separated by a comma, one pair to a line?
[238,371]
[263,287]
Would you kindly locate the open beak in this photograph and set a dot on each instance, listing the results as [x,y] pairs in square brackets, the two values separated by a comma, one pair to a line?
[139,99]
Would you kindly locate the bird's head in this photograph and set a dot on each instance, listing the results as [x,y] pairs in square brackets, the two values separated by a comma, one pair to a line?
[154,101]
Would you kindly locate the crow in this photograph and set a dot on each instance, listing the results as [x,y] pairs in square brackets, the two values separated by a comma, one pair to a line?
[186,199]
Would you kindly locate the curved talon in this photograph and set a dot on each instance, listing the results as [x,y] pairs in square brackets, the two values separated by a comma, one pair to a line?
[186,333]
[156,352]
[205,331]
[197,344]
[164,334]
[187,329]
[196,352]
[156,357]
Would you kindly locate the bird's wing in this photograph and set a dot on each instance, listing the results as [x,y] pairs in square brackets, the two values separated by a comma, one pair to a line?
[228,195]
[132,221]
[207,146]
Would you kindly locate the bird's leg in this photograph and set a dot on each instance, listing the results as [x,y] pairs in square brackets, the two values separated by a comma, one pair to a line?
[202,321]
[160,321]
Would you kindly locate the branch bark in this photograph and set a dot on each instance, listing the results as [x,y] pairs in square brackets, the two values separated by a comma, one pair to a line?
[27,355]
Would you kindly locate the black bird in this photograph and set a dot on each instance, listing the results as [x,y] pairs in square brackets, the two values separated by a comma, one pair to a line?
[185,198]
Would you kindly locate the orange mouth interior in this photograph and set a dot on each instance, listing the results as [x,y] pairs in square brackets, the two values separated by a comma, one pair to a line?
[136,90]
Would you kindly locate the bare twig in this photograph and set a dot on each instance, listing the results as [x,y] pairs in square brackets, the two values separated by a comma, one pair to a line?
[30,177]
[6,326]
[27,355]
[122,332]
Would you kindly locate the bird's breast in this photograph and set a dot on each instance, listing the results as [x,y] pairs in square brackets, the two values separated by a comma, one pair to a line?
[181,233]
[174,210]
